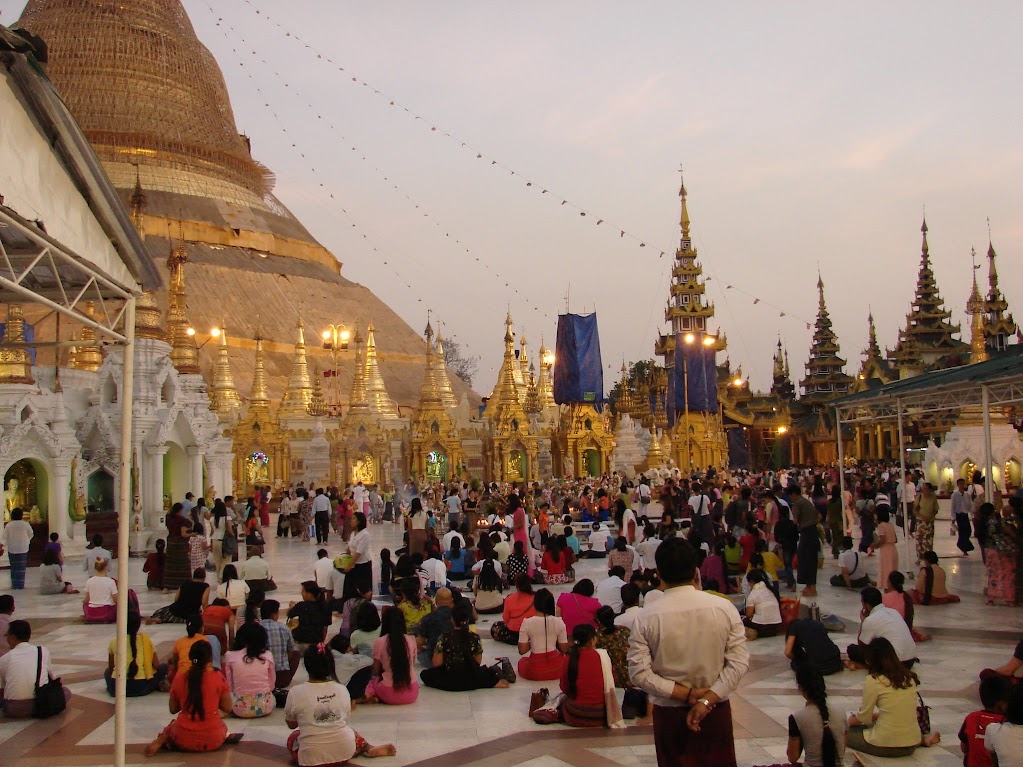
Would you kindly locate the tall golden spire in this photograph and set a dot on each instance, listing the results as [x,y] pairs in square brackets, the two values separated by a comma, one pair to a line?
[317,403]
[684,220]
[137,204]
[87,354]
[440,371]
[545,383]
[184,353]
[224,396]
[300,389]
[975,308]
[429,393]
[504,400]
[259,397]
[357,400]
[625,403]
[532,403]
[15,363]
[376,393]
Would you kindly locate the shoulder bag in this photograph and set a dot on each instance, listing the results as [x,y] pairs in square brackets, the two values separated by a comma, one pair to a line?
[49,697]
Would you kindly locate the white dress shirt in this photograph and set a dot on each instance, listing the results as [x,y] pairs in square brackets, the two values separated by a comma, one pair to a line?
[360,544]
[256,569]
[321,503]
[17,536]
[609,592]
[18,671]
[627,618]
[323,571]
[689,637]
[886,622]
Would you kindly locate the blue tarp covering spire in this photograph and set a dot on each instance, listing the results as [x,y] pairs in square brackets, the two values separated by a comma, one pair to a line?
[578,370]
[697,363]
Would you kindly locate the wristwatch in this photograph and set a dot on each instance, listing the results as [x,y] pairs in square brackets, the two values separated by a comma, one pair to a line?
[706,703]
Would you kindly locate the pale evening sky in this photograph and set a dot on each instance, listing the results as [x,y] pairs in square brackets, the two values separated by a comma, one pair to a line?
[810,134]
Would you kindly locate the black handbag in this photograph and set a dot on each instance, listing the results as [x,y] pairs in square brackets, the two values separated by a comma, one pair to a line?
[49,697]
[229,546]
[634,703]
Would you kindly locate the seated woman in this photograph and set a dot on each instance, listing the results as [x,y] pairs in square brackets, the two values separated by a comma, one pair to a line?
[199,697]
[351,606]
[518,562]
[733,554]
[310,618]
[897,599]
[232,588]
[517,607]
[713,566]
[394,654]
[219,620]
[179,657]
[366,631]
[763,611]
[458,560]
[353,669]
[250,673]
[1004,740]
[145,672]
[554,563]
[807,643]
[413,604]
[892,729]
[932,584]
[99,604]
[321,707]
[622,555]
[815,732]
[51,576]
[586,684]
[542,640]
[488,585]
[579,606]
[614,640]
[190,599]
[457,658]
[153,568]
[1013,670]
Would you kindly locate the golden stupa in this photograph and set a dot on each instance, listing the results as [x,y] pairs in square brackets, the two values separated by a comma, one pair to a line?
[153,102]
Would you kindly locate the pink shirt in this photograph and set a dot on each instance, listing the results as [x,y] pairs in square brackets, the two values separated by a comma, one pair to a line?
[576,609]
[246,678]
[381,654]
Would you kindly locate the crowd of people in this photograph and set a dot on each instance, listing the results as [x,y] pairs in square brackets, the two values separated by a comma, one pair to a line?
[660,636]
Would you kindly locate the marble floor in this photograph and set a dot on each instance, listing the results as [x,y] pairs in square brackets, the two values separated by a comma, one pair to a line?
[491,727]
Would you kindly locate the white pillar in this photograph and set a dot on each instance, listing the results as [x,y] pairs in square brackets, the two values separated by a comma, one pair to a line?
[989,480]
[195,456]
[152,497]
[57,512]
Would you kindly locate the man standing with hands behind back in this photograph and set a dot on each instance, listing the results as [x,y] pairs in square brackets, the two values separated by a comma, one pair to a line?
[688,651]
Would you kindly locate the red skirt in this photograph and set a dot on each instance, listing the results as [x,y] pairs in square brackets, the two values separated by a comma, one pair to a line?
[541,666]
[678,746]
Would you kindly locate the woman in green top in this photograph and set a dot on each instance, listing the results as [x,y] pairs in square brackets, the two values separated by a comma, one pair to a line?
[457,658]
[145,672]
[890,688]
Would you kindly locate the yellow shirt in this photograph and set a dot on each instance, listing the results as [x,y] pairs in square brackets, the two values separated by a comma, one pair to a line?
[182,648]
[144,653]
[771,565]
[896,725]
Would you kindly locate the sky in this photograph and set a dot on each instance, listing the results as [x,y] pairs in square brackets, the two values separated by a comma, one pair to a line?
[812,136]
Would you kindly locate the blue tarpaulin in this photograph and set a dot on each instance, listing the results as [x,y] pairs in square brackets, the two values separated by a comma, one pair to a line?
[30,338]
[578,370]
[697,363]
[738,448]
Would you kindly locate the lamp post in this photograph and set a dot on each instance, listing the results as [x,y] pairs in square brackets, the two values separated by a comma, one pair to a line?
[335,339]
[690,339]
[214,333]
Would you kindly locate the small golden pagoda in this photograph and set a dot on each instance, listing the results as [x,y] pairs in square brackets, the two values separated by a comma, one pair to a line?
[435,447]
[513,451]
[975,307]
[298,395]
[15,363]
[440,372]
[86,354]
[625,404]
[545,381]
[999,327]
[377,397]
[655,455]
[224,397]
[584,441]
[261,448]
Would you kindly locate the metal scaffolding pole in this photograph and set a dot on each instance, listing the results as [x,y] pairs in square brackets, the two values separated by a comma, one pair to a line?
[989,480]
[123,531]
[902,480]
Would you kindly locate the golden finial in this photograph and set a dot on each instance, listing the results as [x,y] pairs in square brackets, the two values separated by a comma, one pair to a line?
[924,247]
[137,204]
[975,308]
[15,363]
[184,352]
[684,221]
[357,399]
[317,403]
[300,389]
[532,403]
[376,393]
[440,368]
[224,397]
[259,396]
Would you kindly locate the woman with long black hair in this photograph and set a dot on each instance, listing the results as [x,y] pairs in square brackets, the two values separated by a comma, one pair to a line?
[394,653]
[198,697]
[176,568]
[814,731]
[458,655]
[582,681]
[223,539]
[250,673]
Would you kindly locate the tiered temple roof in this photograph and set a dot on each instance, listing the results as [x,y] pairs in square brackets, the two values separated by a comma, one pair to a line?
[825,378]
[999,327]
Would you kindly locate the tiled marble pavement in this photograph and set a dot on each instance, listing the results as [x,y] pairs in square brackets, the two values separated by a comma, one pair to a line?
[491,727]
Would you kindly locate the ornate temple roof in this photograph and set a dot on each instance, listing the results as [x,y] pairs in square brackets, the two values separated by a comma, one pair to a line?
[825,370]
